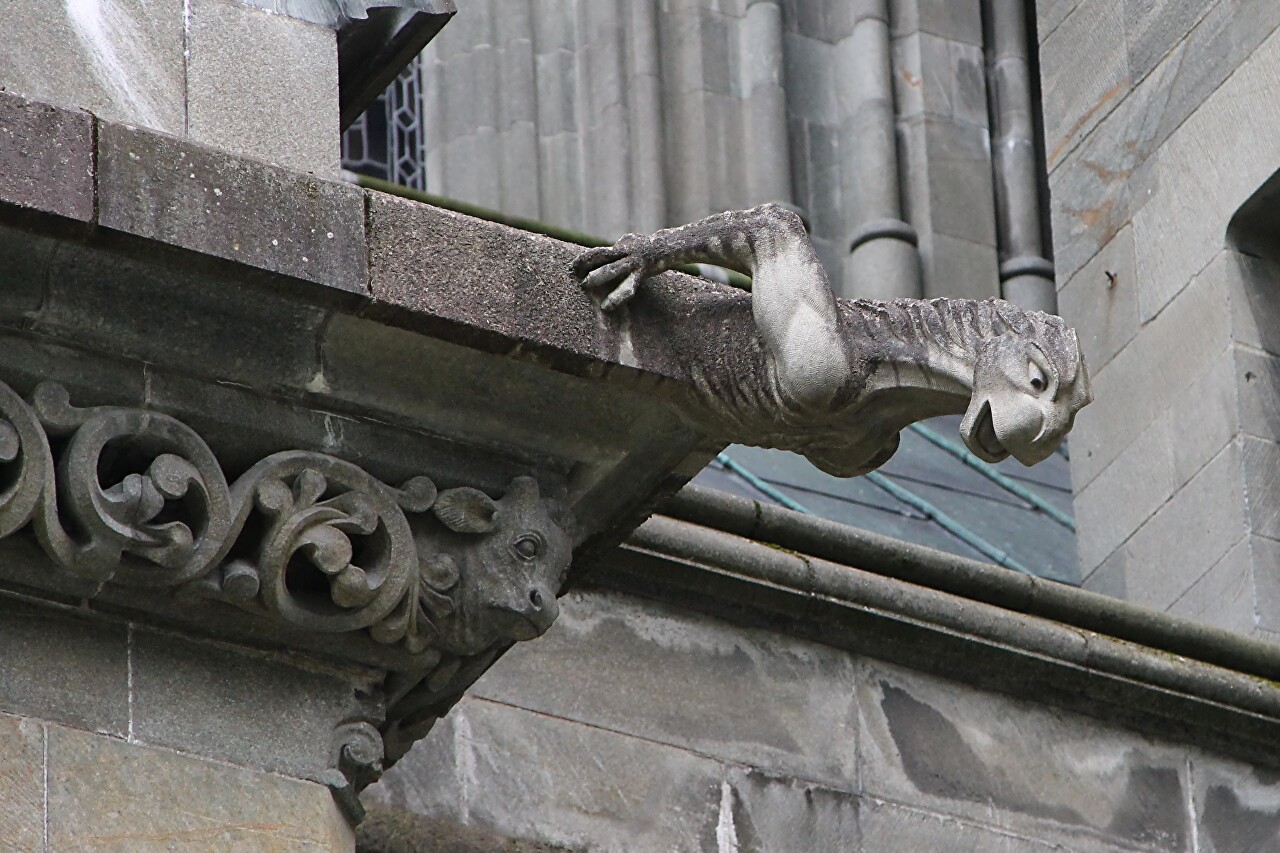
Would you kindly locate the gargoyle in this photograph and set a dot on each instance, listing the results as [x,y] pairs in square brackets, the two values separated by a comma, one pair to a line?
[790,366]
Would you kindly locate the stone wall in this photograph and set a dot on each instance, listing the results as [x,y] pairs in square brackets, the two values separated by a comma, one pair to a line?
[1158,129]
[214,71]
[115,736]
[640,726]
[611,116]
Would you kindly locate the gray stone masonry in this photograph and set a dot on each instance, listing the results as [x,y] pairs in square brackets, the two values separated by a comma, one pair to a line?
[216,71]
[1150,159]
[700,731]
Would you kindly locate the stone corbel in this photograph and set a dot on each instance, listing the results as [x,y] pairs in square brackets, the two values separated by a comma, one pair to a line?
[127,498]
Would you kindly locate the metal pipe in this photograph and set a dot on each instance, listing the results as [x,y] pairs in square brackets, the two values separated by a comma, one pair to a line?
[883,262]
[1026,275]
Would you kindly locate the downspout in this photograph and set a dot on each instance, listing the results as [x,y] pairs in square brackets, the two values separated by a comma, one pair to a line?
[1026,275]
[883,262]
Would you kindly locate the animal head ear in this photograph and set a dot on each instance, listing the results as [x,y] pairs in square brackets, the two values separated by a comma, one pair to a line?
[466,510]
[523,489]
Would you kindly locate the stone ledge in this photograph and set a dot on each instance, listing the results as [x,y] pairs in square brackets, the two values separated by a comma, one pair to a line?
[952,635]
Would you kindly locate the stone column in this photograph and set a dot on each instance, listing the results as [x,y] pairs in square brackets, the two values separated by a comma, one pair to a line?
[883,262]
[1026,276]
[768,152]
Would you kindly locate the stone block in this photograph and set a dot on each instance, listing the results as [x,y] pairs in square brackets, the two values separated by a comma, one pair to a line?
[1266,583]
[1085,73]
[1124,495]
[1224,596]
[64,668]
[948,19]
[1062,779]
[763,812]
[1107,579]
[811,83]
[119,59]
[947,184]
[24,257]
[26,360]
[1187,536]
[940,77]
[1050,13]
[542,778]
[1256,380]
[1261,460]
[1237,807]
[263,86]
[46,157]
[1101,301]
[1204,416]
[116,797]
[886,826]
[1153,27]
[1197,186]
[1129,394]
[21,784]
[1251,284]
[958,268]
[121,300]
[244,709]
[230,207]
[612,661]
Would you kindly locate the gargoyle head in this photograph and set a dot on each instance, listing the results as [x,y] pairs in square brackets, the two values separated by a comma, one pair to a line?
[496,576]
[1028,385]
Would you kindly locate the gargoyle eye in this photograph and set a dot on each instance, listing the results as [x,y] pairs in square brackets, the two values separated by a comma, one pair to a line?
[527,547]
[1036,376]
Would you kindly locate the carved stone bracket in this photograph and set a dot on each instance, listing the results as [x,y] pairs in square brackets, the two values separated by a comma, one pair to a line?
[132,498]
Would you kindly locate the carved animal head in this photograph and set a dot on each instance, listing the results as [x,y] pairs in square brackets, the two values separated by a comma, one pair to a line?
[496,580]
[1029,381]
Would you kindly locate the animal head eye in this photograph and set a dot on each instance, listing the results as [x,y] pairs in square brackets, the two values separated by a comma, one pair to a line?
[1036,376]
[527,547]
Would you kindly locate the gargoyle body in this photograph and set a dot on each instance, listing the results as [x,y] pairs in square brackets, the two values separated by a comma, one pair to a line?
[790,366]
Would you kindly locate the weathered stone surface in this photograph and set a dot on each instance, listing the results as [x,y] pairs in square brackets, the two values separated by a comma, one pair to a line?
[263,85]
[539,777]
[717,690]
[1224,596]
[46,157]
[1087,73]
[1042,773]
[954,267]
[885,826]
[940,77]
[1266,586]
[27,360]
[230,207]
[1255,300]
[1195,529]
[1153,27]
[1204,416]
[961,22]
[948,181]
[64,668]
[118,299]
[393,830]
[1261,460]
[1101,301]
[21,784]
[1050,13]
[249,710]
[1237,807]
[109,795]
[1256,378]
[1129,395]
[24,256]
[1125,494]
[119,59]
[759,811]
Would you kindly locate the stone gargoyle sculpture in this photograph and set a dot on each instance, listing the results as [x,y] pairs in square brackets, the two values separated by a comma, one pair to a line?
[792,367]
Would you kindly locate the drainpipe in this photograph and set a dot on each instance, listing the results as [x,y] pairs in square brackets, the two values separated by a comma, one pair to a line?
[883,262]
[1026,276]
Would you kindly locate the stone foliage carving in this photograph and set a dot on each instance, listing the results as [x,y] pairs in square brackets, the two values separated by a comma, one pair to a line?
[790,366]
[135,498]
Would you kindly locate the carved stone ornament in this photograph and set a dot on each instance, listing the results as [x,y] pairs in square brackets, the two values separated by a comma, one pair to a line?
[135,498]
[791,366]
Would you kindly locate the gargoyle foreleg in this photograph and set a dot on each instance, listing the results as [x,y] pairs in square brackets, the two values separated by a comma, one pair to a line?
[791,300]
